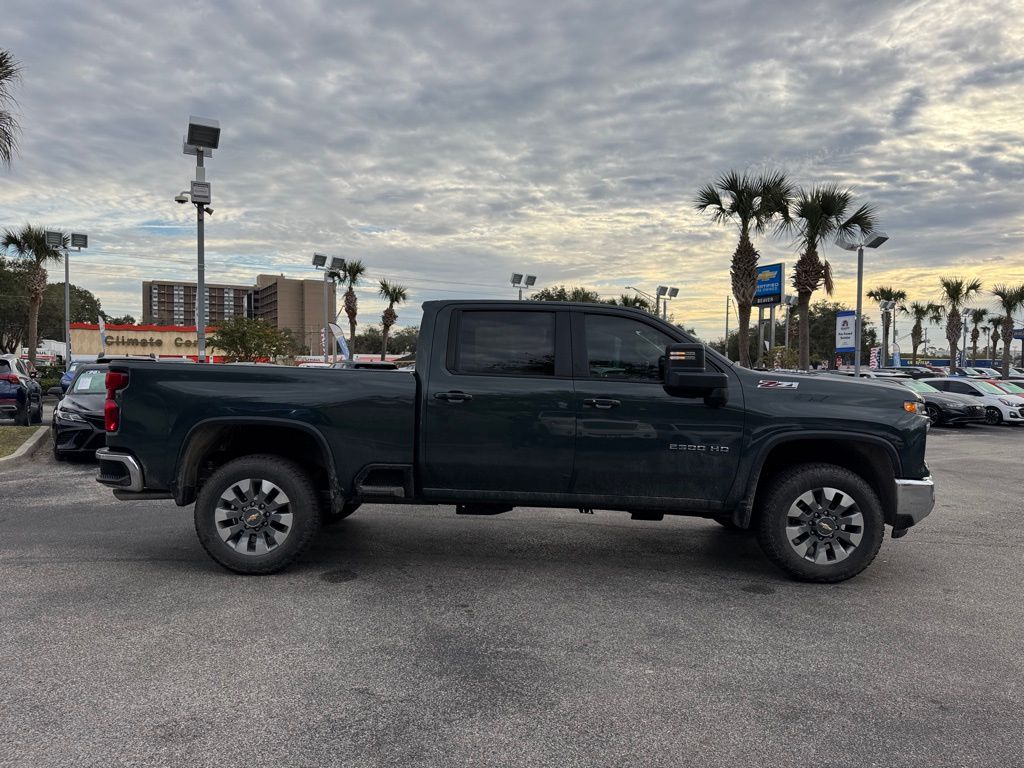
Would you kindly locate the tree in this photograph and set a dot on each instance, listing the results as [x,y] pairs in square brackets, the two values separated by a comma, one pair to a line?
[956,291]
[637,302]
[997,323]
[927,312]
[10,73]
[977,318]
[29,243]
[562,293]
[1011,301]
[750,203]
[888,293]
[394,294]
[352,274]
[249,340]
[820,214]
[122,320]
[15,275]
[85,308]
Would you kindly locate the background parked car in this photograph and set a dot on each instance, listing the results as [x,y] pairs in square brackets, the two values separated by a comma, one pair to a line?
[913,371]
[21,398]
[69,375]
[946,408]
[999,405]
[78,418]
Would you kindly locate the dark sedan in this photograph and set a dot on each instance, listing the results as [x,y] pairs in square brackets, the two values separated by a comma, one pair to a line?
[78,418]
[946,407]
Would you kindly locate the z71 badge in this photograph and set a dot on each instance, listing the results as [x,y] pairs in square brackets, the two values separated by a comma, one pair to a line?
[773,384]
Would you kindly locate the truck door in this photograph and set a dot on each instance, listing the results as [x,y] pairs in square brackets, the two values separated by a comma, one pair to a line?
[498,408]
[634,440]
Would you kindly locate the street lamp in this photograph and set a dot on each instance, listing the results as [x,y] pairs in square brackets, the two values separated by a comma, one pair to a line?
[670,294]
[332,271]
[202,137]
[872,240]
[520,281]
[789,302]
[55,240]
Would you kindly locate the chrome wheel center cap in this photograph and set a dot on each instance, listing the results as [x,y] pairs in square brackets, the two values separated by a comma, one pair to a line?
[825,526]
[252,519]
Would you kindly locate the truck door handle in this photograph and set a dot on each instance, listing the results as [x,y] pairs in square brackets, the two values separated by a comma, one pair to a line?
[453,397]
[601,402]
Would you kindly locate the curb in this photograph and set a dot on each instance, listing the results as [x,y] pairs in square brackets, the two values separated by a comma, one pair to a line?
[28,446]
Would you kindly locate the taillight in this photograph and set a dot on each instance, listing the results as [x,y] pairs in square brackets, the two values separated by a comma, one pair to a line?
[10,378]
[116,381]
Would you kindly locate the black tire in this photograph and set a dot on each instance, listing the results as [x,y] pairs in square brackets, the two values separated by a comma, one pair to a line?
[38,418]
[840,563]
[330,518]
[23,417]
[302,505]
[993,416]
[934,415]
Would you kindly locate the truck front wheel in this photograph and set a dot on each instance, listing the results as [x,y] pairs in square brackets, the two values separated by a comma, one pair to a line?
[257,514]
[820,522]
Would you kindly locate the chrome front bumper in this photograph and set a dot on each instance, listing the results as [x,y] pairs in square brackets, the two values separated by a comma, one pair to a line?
[915,499]
[120,471]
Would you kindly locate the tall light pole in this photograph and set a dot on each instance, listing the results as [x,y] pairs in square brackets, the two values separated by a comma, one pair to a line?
[202,138]
[965,314]
[728,300]
[874,239]
[332,272]
[520,281]
[670,294]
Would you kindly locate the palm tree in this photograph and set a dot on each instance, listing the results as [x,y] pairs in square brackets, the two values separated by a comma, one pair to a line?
[1011,301]
[888,293]
[956,291]
[750,203]
[639,302]
[395,294]
[30,243]
[353,272]
[977,318]
[10,73]
[997,323]
[820,214]
[922,313]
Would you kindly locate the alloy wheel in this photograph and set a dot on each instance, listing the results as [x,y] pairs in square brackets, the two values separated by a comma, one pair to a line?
[253,516]
[934,415]
[993,416]
[824,526]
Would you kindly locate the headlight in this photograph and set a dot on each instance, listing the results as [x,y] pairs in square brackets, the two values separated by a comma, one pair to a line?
[912,406]
[69,416]
[1009,402]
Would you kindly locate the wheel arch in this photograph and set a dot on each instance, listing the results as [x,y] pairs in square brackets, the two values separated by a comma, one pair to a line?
[213,442]
[870,457]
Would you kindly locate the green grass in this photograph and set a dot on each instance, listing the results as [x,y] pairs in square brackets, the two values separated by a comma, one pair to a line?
[11,438]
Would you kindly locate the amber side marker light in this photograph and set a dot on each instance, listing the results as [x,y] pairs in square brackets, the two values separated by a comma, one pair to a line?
[911,406]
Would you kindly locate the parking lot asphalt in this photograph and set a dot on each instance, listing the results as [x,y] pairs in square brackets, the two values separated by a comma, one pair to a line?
[409,636]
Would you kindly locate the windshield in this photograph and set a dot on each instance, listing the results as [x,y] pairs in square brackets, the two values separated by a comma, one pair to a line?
[918,386]
[90,383]
[1009,386]
[991,389]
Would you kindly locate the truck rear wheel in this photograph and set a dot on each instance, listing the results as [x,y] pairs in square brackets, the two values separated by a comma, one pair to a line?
[257,514]
[820,522]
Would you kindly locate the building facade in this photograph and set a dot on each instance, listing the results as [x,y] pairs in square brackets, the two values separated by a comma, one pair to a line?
[158,340]
[166,302]
[283,302]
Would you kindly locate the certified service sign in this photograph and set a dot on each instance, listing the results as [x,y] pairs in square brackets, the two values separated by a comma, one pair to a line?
[846,331]
[768,292]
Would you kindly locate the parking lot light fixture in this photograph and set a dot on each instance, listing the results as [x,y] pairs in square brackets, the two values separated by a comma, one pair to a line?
[521,280]
[872,240]
[332,266]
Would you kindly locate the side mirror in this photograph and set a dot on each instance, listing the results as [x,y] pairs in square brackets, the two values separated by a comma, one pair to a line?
[686,375]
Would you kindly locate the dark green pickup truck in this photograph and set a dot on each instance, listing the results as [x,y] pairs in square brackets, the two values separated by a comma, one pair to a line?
[520,403]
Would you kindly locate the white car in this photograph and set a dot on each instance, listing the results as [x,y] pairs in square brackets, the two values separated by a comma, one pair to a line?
[1000,406]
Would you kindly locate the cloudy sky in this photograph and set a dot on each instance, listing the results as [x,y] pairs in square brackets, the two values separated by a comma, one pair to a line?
[448,144]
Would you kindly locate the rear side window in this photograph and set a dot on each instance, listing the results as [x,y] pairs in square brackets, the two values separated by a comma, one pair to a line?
[506,343]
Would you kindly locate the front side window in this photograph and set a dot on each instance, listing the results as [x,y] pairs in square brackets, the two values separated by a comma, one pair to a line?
[518,343]
[621,348]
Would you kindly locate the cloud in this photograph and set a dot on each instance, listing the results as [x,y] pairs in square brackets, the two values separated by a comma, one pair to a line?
[448,144]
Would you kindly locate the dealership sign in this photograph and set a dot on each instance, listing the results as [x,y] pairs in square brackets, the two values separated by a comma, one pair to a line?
[1019,333]
[846,331]
[768,290]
